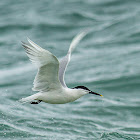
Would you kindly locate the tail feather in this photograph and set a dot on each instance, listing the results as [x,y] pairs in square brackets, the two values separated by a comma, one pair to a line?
[29,98]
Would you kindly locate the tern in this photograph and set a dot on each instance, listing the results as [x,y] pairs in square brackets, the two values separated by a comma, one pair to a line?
[49,81]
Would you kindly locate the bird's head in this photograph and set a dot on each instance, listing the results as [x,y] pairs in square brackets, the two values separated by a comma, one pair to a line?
[87,90]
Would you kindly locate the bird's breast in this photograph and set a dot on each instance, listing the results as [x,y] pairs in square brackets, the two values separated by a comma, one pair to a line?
[59,96]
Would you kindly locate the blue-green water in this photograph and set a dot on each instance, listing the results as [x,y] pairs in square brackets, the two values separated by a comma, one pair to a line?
[107,61]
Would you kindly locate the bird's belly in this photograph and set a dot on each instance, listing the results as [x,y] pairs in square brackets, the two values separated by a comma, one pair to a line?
[56,98]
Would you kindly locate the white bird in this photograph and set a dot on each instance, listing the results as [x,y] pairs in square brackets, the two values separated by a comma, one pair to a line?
[49,81]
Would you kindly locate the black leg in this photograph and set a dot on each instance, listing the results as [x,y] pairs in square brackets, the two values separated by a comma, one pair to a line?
[36,102]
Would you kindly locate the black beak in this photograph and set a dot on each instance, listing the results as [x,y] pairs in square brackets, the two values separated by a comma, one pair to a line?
[91,92]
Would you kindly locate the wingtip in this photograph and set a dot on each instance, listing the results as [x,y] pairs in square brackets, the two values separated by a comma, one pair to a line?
[77,39]
[84,32]
[23,43]
[28,39]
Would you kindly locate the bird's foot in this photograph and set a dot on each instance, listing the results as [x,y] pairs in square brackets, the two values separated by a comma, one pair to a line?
[36,102]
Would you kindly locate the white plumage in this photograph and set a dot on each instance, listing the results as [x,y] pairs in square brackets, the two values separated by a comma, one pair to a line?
[49,81]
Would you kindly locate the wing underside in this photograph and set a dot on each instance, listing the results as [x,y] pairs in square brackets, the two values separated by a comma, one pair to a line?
[65,61]
[47,64]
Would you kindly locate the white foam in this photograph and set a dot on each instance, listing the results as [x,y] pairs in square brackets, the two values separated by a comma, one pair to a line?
[5,73]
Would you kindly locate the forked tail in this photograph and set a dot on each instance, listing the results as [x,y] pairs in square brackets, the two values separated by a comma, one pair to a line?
[29,98]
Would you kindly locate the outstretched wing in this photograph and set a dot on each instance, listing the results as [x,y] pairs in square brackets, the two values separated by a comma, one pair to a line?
[47,64]
[64,62]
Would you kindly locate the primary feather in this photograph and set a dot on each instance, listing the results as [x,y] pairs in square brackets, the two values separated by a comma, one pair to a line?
[65,61]
[48,65]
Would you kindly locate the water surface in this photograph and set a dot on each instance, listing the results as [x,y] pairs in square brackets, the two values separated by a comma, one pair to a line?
[106,61]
